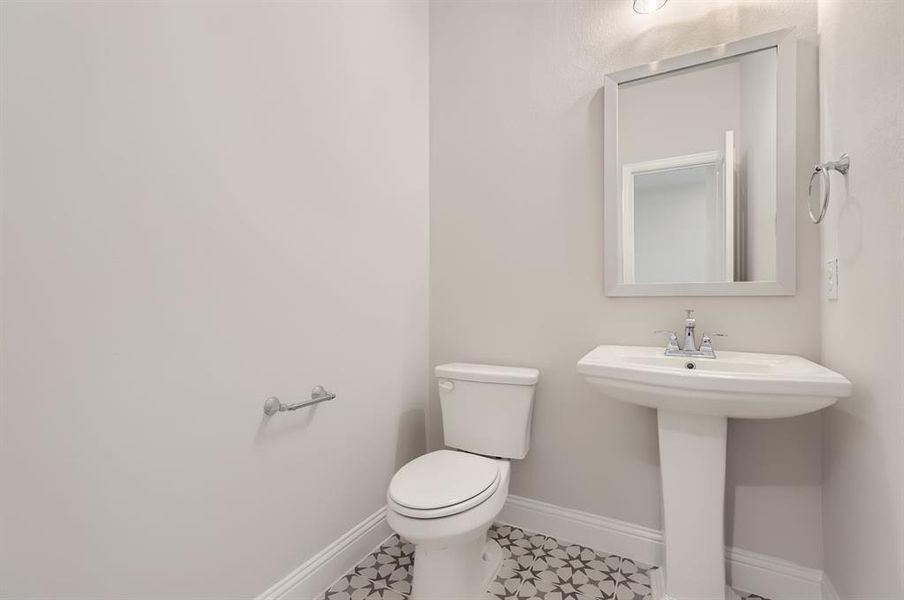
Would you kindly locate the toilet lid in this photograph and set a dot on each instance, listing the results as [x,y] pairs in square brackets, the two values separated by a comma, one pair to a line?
[442,479]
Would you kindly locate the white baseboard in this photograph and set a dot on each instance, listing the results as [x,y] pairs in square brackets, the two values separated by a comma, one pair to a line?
[768,576]
[657,583]
[315,575]
[774,578]
[771,577]
[828,590]
[602,533]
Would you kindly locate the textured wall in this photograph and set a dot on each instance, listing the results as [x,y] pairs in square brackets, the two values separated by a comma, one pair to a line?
[204,204]
[516,254]
[862,94]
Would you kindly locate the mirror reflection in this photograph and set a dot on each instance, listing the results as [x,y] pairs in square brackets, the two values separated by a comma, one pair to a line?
[697,162]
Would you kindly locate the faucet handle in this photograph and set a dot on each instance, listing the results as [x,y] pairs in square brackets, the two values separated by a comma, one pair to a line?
[673,338]
[706,344]
[707,341]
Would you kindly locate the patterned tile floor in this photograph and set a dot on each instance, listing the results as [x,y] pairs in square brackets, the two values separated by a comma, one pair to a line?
[534,567]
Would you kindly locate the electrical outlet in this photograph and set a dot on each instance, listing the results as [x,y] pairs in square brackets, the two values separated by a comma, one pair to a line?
[832,279]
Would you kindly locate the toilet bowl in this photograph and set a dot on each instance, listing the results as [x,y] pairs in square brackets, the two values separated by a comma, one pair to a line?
[444,502]
[449,522]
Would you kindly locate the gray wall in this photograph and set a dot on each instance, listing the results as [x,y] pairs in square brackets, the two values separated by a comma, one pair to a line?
[862,81]
[204,204]
[516,254]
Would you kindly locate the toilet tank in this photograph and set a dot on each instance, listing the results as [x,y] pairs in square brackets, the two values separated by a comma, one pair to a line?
[486,408]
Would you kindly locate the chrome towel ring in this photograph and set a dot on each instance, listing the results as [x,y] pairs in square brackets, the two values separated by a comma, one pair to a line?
[842,165]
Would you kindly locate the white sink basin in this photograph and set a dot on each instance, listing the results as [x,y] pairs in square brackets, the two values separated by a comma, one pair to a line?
[694,398]
[735,384]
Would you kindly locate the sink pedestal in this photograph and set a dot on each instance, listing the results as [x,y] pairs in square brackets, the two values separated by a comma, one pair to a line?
[692,459]
[694,400]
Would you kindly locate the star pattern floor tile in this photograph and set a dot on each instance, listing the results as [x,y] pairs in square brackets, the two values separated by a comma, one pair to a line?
[534,567]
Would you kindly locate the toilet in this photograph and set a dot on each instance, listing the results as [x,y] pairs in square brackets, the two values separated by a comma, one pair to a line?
[445,501]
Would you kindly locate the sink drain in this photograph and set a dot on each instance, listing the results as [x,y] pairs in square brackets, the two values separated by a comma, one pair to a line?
[690,365]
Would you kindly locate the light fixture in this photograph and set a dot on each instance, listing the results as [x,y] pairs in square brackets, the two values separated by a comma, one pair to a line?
[645,7]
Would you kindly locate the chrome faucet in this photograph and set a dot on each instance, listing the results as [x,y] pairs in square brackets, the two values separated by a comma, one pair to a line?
[690,342]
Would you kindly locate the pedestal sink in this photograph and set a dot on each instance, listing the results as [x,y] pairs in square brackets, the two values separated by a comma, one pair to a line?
[694,397]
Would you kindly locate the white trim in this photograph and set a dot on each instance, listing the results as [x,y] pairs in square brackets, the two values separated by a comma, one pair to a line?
[716,288]
[594,531]
[714,158]
[728,197]
[683,161]
[747,571]
[772,577]
[828,590]
[701,57]
[626,238]
[310,579]
[785,282]
[612,241]
[657,583]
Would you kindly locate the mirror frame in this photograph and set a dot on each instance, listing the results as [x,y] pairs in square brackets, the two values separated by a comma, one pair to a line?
[784,283]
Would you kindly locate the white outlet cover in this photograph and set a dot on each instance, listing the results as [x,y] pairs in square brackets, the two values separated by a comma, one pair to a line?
[831,275]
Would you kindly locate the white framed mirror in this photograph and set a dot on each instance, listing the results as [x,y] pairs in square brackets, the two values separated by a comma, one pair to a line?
[700,172]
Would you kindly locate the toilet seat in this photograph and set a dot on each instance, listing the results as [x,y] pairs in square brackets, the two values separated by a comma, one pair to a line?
[443,483]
